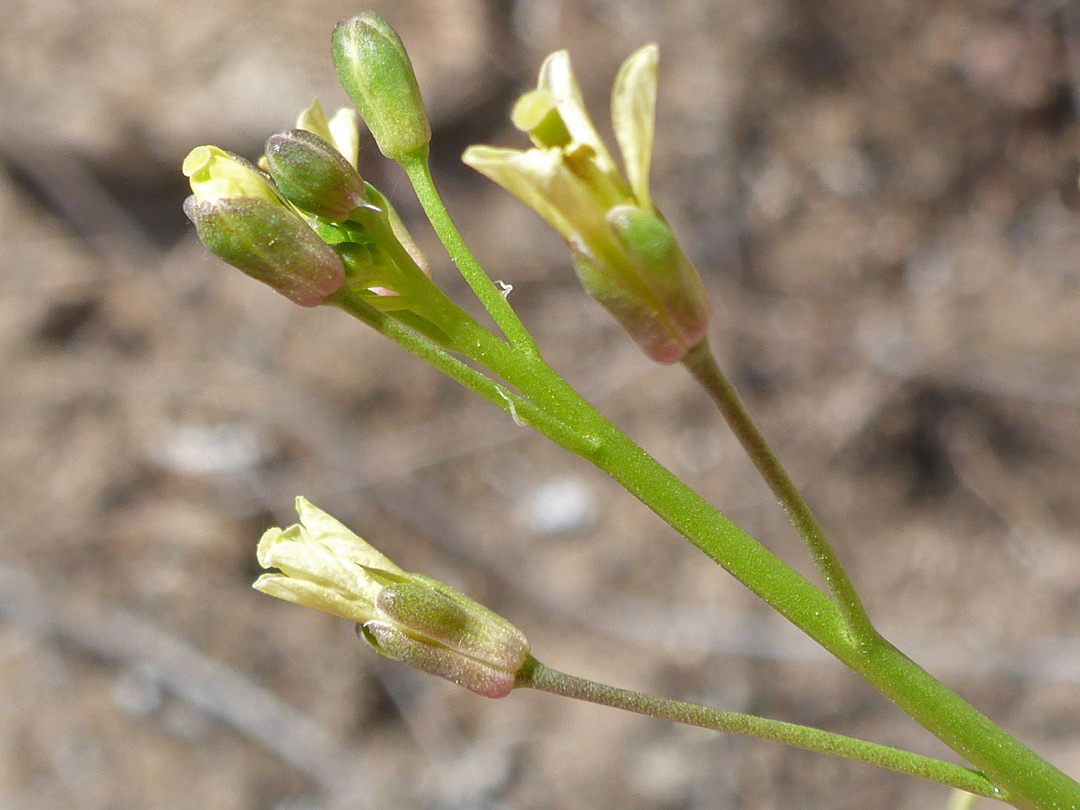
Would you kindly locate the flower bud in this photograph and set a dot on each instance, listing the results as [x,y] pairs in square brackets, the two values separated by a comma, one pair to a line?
[342,129]
[378,77]
[408,617]
[243,220]
[313,175]
[270,243]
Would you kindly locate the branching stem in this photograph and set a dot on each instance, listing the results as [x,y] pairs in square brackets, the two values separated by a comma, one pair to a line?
[419,171]
[702,365]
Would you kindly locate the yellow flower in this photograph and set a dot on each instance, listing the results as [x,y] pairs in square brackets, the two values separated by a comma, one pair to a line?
[324,565]
[407,617]
[623,251]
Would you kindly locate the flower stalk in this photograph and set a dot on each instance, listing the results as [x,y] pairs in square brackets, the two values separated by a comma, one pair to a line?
[535,675]
[418,169]
[702,365]
[316,233]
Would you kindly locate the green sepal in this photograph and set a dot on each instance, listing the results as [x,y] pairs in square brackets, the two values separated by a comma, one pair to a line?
[271,243]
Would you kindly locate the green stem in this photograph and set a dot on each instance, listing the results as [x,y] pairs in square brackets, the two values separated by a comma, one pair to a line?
[419,171]
[535,675]
[521,410]
[547,402]
[702,365]
[1030,781]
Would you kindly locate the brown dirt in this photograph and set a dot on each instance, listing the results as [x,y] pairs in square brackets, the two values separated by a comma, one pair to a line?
[871,191]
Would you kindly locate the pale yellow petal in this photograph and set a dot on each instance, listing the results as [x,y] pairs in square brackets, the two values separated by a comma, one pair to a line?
[633,117]
[339,539]
[529,176]
[313,119]
[557,77]
[215,174]
[345,133]
[269,539]
[311,594]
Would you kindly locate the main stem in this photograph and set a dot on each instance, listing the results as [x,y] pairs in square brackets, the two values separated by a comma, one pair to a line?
[701,363]
[535,675]
[1031,782]
[557,410]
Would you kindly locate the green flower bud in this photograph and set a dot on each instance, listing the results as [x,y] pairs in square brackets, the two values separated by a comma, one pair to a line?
[342,129]
[408,617]
[378,77]
[270,243]
[242,219]
[313,175]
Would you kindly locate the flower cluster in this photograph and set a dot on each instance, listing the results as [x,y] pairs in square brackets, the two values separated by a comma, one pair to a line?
[304,222]
[261,220]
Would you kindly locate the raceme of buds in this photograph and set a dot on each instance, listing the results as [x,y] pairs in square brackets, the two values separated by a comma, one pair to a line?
[243,219]
[623,251]
[407,617]
[378,77]
[313,175]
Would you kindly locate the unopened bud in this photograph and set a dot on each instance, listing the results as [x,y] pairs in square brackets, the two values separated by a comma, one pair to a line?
[342,129]
[271,244]
[313,175]
[378,77]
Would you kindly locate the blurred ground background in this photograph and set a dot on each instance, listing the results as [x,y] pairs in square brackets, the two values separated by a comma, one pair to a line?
[872,191]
